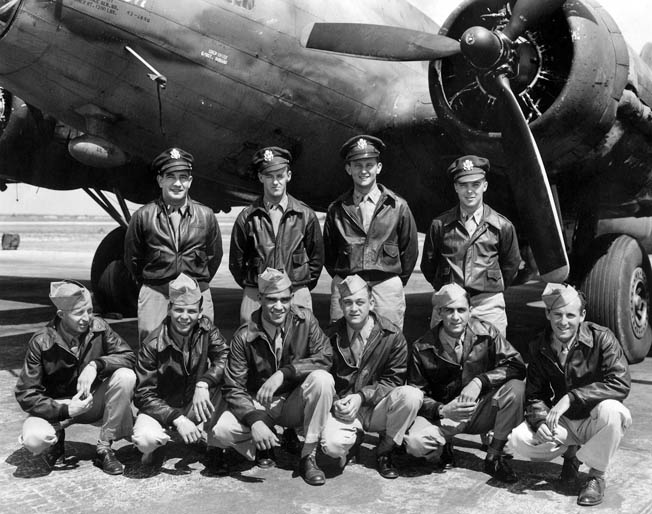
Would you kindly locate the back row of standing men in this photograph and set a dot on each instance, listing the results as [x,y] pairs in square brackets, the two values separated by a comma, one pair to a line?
[464,376]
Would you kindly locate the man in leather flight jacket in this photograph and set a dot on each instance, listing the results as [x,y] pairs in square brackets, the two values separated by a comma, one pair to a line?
[370,231]
[472,245]
[168,236]
[577,380]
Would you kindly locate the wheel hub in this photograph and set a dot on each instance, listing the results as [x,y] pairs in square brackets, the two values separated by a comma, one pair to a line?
[639,300]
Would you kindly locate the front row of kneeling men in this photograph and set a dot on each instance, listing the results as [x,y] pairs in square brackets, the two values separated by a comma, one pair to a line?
[281,369]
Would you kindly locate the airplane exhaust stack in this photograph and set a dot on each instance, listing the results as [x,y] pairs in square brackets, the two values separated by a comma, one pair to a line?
[96,151]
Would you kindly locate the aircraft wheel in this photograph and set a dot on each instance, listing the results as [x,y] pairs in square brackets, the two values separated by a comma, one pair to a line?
[115,290]
[618,294]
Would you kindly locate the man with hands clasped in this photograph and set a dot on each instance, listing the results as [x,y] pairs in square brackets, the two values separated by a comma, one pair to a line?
[77,370]
[180,370]
[472,382]
[576,382]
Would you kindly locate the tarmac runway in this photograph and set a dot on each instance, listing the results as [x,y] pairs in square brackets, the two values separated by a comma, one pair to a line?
[26,486]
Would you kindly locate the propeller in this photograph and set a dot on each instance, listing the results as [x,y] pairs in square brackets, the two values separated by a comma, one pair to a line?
[494,57]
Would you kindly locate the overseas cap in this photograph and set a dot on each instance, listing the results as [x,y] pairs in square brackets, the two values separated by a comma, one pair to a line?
[351,285]
[469,166]
[172,159]
[67,295]
[273,281]
[184,290]
[448,294]
[555,296]
[361,147]
[271,158]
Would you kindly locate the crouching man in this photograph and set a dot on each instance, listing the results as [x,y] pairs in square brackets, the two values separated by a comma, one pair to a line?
[369,366]
[180,370]
[472,380]
[77,370]
[277,374]
[576,381]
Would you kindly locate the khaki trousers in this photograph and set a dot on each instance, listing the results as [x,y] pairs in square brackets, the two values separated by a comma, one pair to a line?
[392,416]
[499,410]
[111,406]
[153,303]
[388,295]
[306,407]
[599,435]
[251,303]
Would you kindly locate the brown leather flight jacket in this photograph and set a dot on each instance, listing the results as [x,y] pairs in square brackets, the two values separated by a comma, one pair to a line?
[388,249]
[487,355]
[166,382]
[152,256]
[486,262]
[298,247]
[383,364]
[595,370]
[252,360]
[51,370]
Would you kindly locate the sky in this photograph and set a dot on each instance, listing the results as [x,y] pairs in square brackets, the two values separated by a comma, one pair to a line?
[632,16]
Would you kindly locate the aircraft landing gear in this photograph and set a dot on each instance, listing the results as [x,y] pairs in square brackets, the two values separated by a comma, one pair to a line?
[114,289]
[618,292]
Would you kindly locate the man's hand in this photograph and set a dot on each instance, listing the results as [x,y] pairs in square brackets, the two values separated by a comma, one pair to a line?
[201,402]
[86,378]
[346,409]
[79,404]
[187,430]
[545,435]
[458,410]
[471,392]
[266,392]
[263,436]
[552,419]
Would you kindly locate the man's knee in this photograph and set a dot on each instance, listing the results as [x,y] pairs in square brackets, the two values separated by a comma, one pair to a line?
[37,435]
[319,380]
[124,378]
[224,430]
[407,396]
[148,434]
[613,412]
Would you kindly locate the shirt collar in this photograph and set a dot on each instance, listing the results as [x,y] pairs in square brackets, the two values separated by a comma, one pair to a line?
[183,210]
[365,332]
[476,215]
[373,195]
[283,204]
[449,340]
[269,328]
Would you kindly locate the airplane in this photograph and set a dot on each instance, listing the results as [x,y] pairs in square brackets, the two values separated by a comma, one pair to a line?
[548,90]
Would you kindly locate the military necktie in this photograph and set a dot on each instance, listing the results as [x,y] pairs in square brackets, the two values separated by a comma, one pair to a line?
[278,345]
[175,221]
[366,207]
[563,354]
[356,347]
[470,225]
[459,350]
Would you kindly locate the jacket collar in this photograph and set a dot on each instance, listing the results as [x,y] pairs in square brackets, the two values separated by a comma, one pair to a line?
[165,339]
[95,326]
[474,330]
[584,336]
[455,215]
[162,208]
[386,195]
[255,325]
[292,206]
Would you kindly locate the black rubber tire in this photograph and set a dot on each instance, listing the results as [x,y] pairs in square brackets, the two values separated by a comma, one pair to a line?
[114,289]
[617,289]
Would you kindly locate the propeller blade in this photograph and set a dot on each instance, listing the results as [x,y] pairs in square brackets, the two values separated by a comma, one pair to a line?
[378,42]
[531,189]
[527,13]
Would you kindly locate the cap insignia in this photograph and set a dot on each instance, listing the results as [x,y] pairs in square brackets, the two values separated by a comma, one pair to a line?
[467,165]
[362,144]
[175,154]
[268,155]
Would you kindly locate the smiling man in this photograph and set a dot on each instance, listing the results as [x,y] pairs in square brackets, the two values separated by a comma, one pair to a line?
[77,370]
[576,382]
[168,236]
[472,245]
[276,231]
[370,231]
[472,382]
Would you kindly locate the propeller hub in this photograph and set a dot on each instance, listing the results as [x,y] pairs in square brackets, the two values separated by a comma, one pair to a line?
[481,47]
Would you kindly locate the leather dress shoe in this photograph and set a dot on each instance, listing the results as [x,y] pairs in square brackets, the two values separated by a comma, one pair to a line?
[56,451]
[216,461]
[592,493]
[310,472]
[447,458]
[265,459]
[386,466]
[570,469]
[498,467]
[106,460]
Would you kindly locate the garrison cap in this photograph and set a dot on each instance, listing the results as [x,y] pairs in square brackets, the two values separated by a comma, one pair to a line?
[273,281]
[555,296]
[172,159]
[448,294]
[184,290]
[351,285]
[67,295]
[469,166]
[361,147]
[271,158]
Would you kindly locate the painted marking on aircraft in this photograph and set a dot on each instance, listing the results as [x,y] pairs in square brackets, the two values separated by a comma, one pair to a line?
[245,4]
[216,56]
[109,7]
